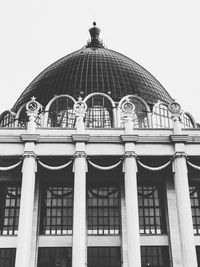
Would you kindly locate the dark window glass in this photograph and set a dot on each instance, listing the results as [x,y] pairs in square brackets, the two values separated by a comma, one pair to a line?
[54,257]
[155,256]
[61,113]
[151,209]
[99,113]
[104,257]
[56,210]
[9,208]
[194,199]
[198,255]
[186,121]
[103,210]
[8,120]
[7,257]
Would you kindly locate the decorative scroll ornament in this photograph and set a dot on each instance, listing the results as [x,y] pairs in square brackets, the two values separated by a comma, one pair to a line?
[193,165]
[175,109]
[55,168]
[128,107]
[104,168]
[80,108]
[33,107]
[10,167]
[155,168]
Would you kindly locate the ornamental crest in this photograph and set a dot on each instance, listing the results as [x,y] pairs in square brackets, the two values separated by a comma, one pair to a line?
[33,107]
[128,107]
[80,107]
[175,109]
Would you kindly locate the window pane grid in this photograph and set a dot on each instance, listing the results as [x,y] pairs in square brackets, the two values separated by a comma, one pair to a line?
[54,257]
[57,210]
[194,199]
[104,257]
[10,205]
[154,256]
[103,210]
[151,215]
[7,257]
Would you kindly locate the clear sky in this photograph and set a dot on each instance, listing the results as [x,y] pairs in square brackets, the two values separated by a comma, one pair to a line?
[161,35]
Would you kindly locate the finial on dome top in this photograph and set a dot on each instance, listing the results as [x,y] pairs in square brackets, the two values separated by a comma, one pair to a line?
[94,33]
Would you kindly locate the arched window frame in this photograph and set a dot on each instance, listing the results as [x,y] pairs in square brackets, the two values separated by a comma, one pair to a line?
[12,114]
[154,114]
[48,106]
[192,120]
[114,122]
[138,98]
[18,115]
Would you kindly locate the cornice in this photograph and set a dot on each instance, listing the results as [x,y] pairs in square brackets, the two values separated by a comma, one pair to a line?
[129,138]
[179,138]
[80,137]
[30,137]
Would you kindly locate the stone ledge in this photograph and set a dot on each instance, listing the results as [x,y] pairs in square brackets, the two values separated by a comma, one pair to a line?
[179,138]
[30,137]
[129,138]
[80,137]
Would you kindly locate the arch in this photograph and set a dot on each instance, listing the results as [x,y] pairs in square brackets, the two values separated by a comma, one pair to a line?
[188,120]
[161,116]
[141,114]
[7,119]
[101,111]
[59,112]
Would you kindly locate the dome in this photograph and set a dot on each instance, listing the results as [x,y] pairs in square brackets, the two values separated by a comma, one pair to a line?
[94,68]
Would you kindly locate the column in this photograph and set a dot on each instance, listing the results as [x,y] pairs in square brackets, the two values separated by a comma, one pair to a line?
[79,214]
[184,210]
[131,199]
[24,240]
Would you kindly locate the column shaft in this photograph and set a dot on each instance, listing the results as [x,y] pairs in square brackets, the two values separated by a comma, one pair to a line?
[79,218]
[131,198]
[24,240]
[184,212]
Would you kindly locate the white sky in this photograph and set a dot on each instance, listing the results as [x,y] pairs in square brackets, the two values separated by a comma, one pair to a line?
[161,35]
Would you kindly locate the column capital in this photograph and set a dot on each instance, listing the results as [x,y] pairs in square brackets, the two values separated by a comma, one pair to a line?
[80,154]
[180,155]
[129,154]
[29,154]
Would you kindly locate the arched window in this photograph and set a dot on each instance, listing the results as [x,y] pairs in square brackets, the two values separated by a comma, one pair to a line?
[7,119]
[187,121]
[22,117]
[60,112]
[140,114]
[99,113]
[161,116]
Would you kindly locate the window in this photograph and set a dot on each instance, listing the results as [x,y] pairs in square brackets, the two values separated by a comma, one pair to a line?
[155,256]
[103,210]
[187,121]
[7,257]
[140,119]
[194,199]
[99,113]
[54,257]
[9,208]
[161,116]
[198,255]
[56,210]
[7,120]
[61,113]
[151,209]
[104,257]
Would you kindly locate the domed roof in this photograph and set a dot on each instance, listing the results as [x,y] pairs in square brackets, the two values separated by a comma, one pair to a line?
[94,69]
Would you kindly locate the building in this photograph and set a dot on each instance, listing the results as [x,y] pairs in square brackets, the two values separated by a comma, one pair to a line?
[99,167]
